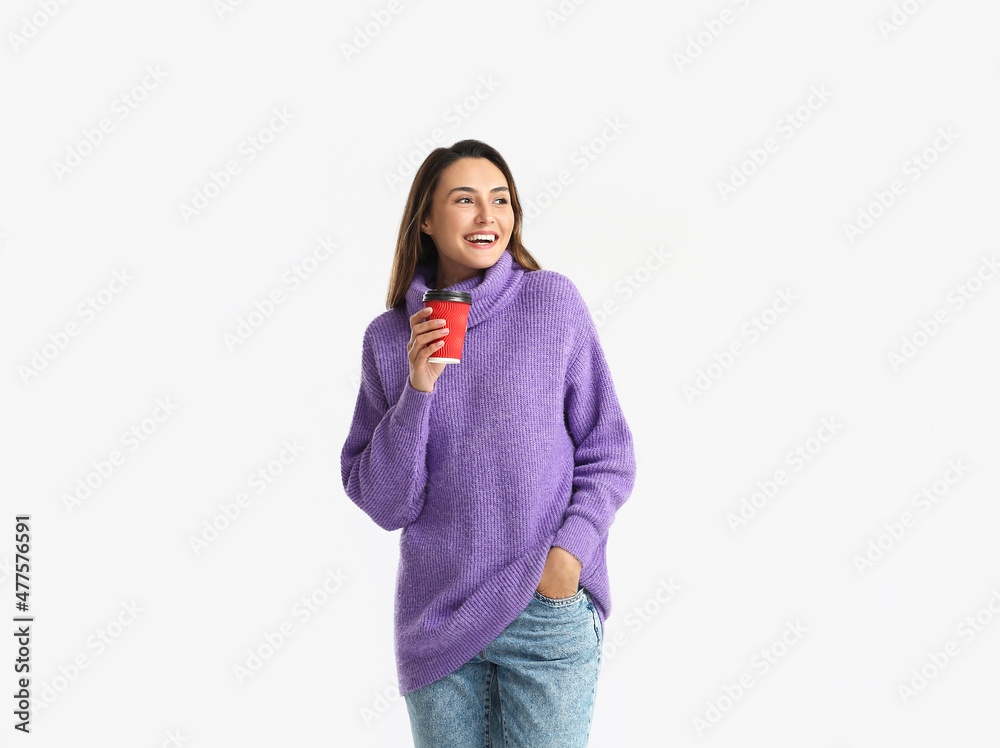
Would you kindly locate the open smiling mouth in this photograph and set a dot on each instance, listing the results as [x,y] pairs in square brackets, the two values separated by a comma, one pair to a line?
[482,241]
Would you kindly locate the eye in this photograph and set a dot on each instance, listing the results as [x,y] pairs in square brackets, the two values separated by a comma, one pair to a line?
[502,200]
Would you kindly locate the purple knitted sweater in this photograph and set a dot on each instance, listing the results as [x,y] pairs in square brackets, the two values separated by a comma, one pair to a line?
[521,447]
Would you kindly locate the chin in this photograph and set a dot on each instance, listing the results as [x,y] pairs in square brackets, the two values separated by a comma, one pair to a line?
[480,259]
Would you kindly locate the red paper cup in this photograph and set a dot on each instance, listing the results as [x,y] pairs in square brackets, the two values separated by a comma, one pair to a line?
[453,307]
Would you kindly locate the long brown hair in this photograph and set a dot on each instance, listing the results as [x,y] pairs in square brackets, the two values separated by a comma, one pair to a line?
[413,246]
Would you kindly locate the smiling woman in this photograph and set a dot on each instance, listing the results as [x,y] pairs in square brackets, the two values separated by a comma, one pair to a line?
[470,223]
[504,471]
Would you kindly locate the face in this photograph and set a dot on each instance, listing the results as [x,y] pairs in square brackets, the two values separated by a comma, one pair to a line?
[472,200]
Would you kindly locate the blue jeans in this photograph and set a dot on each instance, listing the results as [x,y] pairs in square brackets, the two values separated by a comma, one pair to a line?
[532,687]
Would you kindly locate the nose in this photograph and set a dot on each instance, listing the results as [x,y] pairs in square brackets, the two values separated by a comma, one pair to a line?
[485,214]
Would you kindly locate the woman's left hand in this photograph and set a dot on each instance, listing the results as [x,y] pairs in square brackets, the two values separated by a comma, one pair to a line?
[561,576]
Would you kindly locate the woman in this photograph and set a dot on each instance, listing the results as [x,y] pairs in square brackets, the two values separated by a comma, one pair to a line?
[504,472]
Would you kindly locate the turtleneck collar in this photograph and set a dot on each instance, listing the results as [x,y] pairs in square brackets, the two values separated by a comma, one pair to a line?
[490,292]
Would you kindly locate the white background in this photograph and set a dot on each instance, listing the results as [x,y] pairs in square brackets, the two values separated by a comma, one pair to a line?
[540,84]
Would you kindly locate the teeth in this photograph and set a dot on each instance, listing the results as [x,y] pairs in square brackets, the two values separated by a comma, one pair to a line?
[476,237]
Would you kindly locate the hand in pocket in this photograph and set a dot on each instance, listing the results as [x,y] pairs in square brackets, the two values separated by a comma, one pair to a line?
[561,575]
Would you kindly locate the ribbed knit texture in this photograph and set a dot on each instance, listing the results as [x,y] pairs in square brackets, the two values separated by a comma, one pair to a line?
[520,447]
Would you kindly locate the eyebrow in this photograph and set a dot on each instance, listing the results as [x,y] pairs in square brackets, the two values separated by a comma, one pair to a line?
[469,189]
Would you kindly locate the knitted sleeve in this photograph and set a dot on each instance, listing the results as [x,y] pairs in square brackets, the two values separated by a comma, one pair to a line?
[604,457]
[383,463]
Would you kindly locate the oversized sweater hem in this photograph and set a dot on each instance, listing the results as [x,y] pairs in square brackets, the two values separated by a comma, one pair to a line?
[480,619]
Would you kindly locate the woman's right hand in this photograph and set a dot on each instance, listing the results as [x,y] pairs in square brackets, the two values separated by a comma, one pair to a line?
[425,340]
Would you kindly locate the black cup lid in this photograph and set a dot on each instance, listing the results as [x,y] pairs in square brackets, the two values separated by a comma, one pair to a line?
[463,296]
